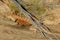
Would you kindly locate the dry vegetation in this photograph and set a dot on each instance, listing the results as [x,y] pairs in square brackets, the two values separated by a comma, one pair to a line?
[9,30]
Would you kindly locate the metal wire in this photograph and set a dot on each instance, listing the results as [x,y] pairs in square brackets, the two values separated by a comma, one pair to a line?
[32,19]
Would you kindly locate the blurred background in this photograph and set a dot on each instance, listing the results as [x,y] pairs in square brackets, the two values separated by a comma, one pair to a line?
[48,10]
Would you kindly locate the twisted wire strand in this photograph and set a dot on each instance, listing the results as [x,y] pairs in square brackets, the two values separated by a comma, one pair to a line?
[35,23]
[25,13]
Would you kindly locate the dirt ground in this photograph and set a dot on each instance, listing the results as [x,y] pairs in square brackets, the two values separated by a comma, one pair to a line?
[9,30]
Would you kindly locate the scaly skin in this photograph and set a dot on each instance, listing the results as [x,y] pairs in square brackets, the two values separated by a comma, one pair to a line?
[19,20]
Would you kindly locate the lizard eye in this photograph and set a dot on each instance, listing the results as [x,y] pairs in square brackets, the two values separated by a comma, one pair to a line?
[16,20]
